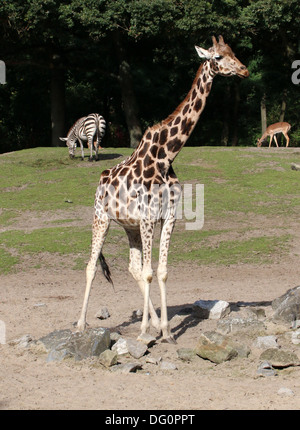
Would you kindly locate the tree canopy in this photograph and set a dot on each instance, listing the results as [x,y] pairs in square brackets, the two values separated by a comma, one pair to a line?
[133,61]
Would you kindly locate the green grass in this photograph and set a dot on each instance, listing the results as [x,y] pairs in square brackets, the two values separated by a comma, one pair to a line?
[239,181]
[44,178]
[7,261]
[60,240]
[235,180]
[254,250]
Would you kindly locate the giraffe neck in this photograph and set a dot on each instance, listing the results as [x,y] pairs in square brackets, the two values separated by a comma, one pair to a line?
[170,135]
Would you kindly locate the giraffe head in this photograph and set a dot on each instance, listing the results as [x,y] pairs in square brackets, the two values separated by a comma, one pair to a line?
[71,144]
[222,60]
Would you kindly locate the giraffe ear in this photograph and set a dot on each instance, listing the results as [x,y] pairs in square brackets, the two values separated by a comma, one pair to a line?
[203,53]
[64,139]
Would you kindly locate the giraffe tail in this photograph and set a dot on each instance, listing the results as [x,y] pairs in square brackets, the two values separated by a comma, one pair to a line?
[105,269]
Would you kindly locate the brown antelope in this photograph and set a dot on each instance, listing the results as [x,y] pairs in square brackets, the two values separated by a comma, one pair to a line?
[272,130]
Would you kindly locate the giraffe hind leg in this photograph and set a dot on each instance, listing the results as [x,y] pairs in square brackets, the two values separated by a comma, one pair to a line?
[135,268]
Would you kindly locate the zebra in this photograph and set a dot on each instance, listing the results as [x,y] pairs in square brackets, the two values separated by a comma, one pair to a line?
[89,128]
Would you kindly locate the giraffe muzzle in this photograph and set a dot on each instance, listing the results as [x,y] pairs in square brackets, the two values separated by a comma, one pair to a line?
[243,72]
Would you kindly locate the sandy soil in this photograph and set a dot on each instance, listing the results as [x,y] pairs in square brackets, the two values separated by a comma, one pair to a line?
[38,301]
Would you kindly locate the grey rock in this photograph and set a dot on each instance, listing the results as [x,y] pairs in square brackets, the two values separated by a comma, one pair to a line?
[23,342]
[284,391]
[295,324]
[263,342]
[64,344]
[260,313]
[280,358]
[53,339]
[211,309]
[114,336]
[91,342]
[167,365]
[215,347]
[236,325]
[265,369]
[137,314]
[186,354]
[287,306]
[295,337]
[108,358]
[136,348]
[103,313]
[153,360]
[126,367]
[120,347]
[60,353]
[243,351]
[295,166]
[147,339]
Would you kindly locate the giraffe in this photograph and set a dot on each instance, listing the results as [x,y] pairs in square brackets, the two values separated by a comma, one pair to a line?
[144,190]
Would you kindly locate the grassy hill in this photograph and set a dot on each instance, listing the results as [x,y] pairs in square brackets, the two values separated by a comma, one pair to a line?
[251,200]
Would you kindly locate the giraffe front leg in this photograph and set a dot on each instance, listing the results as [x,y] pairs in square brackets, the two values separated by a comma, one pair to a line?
[147,231]
[162,275]
[100,228]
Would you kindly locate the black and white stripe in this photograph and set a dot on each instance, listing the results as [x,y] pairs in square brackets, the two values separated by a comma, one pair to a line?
[90,129]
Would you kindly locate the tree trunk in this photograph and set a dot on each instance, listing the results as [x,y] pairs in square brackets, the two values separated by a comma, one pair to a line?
[225,129]
[263,113]
[57,98]
[237,99]
[282,112]
[283,105]
[130,105]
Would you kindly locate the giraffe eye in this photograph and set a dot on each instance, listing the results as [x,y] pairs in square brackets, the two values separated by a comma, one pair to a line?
[218,57]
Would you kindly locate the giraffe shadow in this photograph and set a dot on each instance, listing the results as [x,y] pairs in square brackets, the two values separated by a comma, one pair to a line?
[177,331]
[102,157]
[188,318]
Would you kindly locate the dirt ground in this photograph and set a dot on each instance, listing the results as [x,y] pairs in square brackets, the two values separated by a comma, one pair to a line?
[39,301]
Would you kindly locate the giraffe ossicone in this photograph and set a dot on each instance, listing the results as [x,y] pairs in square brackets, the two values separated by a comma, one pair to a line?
[149,172]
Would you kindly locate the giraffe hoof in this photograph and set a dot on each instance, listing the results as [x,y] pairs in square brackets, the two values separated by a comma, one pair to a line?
[169,339]
[80,327]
